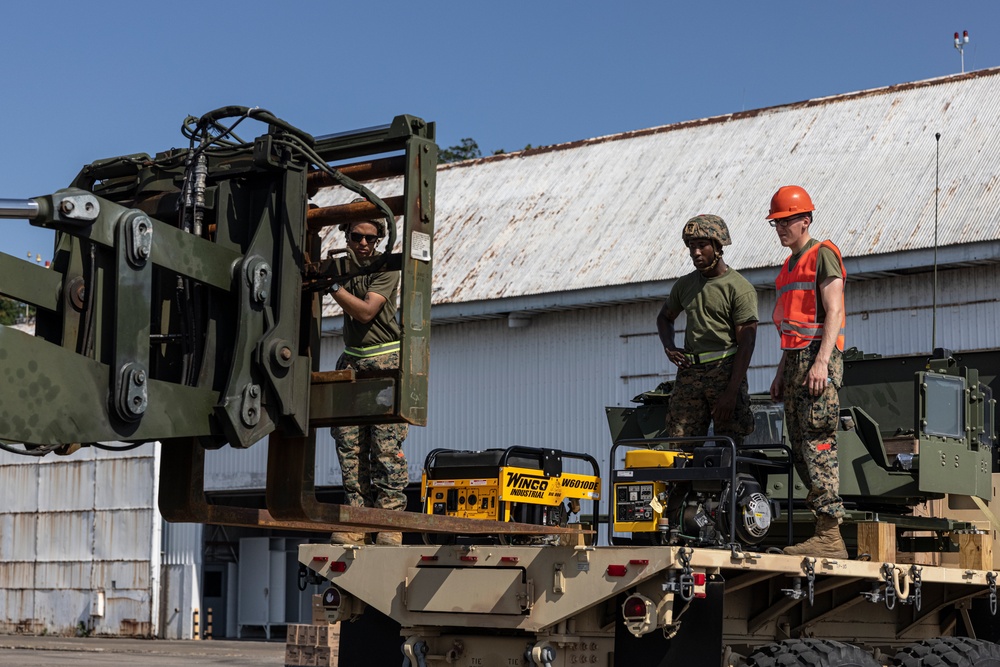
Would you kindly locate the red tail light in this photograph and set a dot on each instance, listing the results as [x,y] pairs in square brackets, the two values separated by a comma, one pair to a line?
[634,608]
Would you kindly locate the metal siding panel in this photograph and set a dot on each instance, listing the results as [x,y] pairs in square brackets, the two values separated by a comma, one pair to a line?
[61,610]
[65,536]
[66,486]
[17,575]
[126,575]
[17,536]
[64,575]
[21,483]
[124,483]
[16,607]
[182,543]
[122,534]
[231,469]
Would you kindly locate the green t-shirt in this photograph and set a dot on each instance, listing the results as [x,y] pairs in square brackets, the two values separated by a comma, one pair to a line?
[714,306]
[383,327]
[827,266]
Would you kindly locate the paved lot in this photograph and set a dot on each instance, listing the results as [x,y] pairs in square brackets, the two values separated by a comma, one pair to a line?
[98,652]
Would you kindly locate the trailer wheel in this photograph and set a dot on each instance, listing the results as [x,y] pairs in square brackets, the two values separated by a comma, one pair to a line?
[811,652]
[949,652]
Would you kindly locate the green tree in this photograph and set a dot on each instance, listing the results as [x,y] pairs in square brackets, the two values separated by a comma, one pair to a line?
[467,149]
[10,310]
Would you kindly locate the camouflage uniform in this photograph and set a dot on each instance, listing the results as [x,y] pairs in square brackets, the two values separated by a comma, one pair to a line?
[695,392]
[811,422]
[371,456]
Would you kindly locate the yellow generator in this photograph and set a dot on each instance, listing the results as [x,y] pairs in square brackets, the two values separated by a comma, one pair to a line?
[704,496]
[522,484]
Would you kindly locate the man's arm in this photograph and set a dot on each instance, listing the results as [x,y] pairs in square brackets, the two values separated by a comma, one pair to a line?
[831,291]
[361,310]
[746,339]
[665,327]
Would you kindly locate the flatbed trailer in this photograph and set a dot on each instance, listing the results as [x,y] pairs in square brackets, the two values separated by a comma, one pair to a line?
[495,605]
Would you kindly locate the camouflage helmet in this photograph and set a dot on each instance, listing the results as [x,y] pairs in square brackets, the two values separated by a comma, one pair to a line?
[706,226]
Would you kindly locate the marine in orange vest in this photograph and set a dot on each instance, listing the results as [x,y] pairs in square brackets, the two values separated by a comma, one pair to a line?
[809,314]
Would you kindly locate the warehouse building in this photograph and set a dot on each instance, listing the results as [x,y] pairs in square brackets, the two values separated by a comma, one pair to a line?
[549,268]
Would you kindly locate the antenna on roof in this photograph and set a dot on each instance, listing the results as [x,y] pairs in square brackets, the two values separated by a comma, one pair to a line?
[960,43]
[937,189]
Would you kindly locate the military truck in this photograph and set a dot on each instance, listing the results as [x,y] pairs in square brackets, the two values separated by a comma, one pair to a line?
[694,574]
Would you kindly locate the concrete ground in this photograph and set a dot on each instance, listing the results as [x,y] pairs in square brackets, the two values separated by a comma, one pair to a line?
[98,652]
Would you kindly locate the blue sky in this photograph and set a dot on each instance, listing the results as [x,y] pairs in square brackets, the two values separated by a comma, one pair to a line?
[89,80]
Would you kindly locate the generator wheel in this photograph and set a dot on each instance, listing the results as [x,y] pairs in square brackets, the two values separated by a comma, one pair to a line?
[949,652]
[811,652]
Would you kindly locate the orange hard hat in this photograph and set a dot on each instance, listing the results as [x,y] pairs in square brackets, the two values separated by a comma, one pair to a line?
[790,200]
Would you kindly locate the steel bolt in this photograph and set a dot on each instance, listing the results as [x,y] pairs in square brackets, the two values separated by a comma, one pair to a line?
[286,353]
[254,391]
[143,251]
[263,295]
[66,206]
[140,377]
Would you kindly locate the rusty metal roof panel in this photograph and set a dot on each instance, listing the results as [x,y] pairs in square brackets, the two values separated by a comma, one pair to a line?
[608,211]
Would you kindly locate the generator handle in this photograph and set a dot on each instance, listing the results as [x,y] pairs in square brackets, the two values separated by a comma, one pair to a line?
[515,449]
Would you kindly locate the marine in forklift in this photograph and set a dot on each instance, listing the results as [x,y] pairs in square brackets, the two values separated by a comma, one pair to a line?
[371,456]
[721,330]
[809,314]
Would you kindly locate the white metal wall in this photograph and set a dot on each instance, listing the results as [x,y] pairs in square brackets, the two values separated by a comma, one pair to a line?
[547,384]
[74,531]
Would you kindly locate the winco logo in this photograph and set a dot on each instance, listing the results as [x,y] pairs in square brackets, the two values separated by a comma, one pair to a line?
[517,480]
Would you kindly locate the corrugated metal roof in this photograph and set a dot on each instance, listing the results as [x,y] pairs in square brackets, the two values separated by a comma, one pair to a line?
[608,211]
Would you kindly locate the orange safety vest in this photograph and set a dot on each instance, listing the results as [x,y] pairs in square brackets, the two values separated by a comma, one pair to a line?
[795,308]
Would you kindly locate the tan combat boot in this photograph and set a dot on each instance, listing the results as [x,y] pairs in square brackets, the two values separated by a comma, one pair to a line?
[826,543]
[347,538]
[390,539]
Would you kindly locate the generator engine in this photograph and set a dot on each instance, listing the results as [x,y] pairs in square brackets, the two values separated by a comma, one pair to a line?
[522,484]
[674,498]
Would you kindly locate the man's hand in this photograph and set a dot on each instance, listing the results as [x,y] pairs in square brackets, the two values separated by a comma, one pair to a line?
[778,386]
[725,406]
[819,376]
[677,356]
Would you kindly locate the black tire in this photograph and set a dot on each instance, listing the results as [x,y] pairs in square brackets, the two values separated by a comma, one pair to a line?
[811,652]
[949,652]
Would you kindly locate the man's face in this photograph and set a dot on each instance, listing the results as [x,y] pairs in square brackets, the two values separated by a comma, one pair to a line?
[791,229]
[702,253]
[362,238]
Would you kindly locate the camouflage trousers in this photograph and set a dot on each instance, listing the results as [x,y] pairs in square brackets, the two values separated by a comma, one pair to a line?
[371,456]
[811,423]
[695,392]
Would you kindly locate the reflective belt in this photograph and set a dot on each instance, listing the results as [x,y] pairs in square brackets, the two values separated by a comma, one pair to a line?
[709,357]
[372,350]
